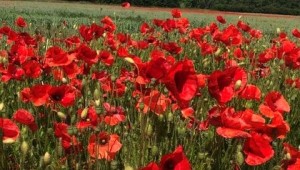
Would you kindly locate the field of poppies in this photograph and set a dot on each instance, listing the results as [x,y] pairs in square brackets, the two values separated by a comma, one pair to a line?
[153,94]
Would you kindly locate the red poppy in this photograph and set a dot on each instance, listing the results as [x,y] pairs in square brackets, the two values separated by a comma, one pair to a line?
[37,94]
[108,24]
[25,117]
[224,85]
[86,32]
[296,33]
[125,4]
[250,92]
[150,166]
[243,26]
[277,128]
[292,158]
[182,82]
[221,19]
[257,149]
[32,69]
[232,125]
[155,101]
[12,73]
[55,56]
[106,57]
[274,102]
[113,115]
[86,54]
[20,22]
[89,118]
[73,70]
[64,95]
[176,13]
[175,160]
[145,28]
[104,146]
[10,131]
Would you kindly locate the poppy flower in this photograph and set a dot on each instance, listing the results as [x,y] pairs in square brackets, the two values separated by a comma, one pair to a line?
[106,57]
[55,56]
[175,160]
[113,115]
[32,69]
[292,160]
[145,28]
[104,146]
[89,118]
[296,33]
[181,80]
[224,85]
[20,22]
[10,131]
[125,4]
[250,92]
[73,70]
[64,95]
[37,94]
[257,149]
[12,73]
[86,33]
[277,128]
[25,117]
[274,102]
[221,19]
[108,24]
[150,166]
[176,13]
[85,53]
[155,101]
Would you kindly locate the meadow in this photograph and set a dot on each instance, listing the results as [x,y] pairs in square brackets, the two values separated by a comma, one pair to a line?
[87,86]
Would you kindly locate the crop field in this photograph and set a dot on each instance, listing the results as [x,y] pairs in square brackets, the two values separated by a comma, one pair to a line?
[89,86]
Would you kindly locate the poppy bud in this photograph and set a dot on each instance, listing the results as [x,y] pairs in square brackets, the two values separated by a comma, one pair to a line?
[114,165]
[130,60]
[149,130]
[61,115]
[1,106]
[64,80]
[47,158]
[96,94]
[288,156]
[237,84]
[239,158]
[278,30]
[84,113]
[97,102]
[24,147]
[202,155]
[181,131]
[128,167]
[154,150]
[169,116]
[218,52]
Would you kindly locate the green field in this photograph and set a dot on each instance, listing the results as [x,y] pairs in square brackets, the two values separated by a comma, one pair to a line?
[147,137]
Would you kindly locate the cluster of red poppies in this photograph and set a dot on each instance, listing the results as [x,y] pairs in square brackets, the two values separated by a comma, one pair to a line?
[72,61]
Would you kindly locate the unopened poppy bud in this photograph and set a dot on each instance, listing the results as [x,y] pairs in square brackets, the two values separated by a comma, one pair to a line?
[84,113]
[288,156]
[130,60]
[47,158]
[218,52]
[202,155]
[96,94]
[149,130]
[64,80]
[181,130]
[160,117]
[128,167]
[1,106]
[97,102]
[114,165]
[154,150]
[239,158]
[24,147]
[170,117]
[278,30]
[61,115]
[237,84]
[72,131]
